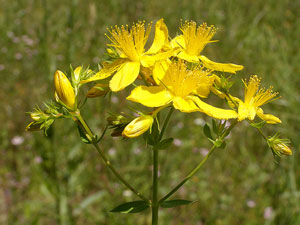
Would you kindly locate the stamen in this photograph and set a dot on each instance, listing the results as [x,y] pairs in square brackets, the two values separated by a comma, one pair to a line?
[196,38]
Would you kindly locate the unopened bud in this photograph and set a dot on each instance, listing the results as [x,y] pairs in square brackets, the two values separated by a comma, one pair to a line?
[138,126]
[64,91]
[77,72]
[33,126]
[117,120]
[283,149]
[35,116]
[98,90]
[279,146]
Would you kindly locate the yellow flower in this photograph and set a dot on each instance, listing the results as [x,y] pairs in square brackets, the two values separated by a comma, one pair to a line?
[254,98]
[129,44]
[64,91]
[193,40]
[138,126]
[183,88]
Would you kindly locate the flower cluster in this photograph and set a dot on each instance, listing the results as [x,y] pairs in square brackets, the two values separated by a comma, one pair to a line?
[172,72]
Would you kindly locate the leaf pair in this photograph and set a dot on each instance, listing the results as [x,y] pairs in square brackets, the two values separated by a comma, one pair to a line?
[139,206]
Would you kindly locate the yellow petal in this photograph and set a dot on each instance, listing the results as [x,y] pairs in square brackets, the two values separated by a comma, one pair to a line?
[271,119]
[107,70]
[160,38]
[185,105]
[178,42]
[190,58]
[205,86]
[245,111]
[214,112]
[126,75]
[149,60]
[159,70]
[223,67]
[155,96]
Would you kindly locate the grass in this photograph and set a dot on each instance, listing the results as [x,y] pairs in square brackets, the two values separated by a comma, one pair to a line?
[43,177]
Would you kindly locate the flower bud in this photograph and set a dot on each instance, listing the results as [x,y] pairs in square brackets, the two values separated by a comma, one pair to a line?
[279,146]
[33,126]
[117,120]
[77,73]
[98,90]
[138,126]
[36,116]
[283,149]
[64,91]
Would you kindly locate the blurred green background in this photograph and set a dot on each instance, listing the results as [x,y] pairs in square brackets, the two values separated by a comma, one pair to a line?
[59,180]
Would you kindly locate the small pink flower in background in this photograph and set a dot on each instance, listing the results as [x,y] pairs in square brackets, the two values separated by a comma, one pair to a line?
[38,160]
[268,213]
[17,140]
[199,121]
[251,203]
[204,151]
[177,142]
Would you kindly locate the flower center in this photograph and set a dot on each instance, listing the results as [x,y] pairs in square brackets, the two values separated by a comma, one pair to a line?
[129,43]
[182,81]
[196,38]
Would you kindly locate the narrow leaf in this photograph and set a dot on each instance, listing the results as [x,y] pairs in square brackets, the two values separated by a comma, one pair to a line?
[258,125]
[174,203]
[131,207]
[82,135]
[164,144]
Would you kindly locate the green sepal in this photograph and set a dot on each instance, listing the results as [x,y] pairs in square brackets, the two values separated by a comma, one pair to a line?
[219,143]
[207,132]
[174,203]
[131,207]
[164,144]
[259,124]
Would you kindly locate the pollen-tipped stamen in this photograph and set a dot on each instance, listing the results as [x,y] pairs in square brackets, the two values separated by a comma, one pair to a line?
[196,38]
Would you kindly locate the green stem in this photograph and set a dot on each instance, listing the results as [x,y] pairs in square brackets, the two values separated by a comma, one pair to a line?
[166,123]
[105,160]
[155,203]
[197,168]
[192,173]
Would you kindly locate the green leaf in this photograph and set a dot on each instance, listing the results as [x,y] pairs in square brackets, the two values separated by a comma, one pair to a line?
[174,203]
[258,125]
[83,136]
[215,127]
[131,207]
[164,144]
[206,131]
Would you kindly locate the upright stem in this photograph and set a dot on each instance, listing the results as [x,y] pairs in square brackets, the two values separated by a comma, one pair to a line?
[106,161]
[155,203]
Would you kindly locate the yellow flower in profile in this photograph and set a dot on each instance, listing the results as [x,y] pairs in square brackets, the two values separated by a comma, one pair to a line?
[193,40]
[130,46]
[138,126]
[183,88]
[254,98]
[64,91]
